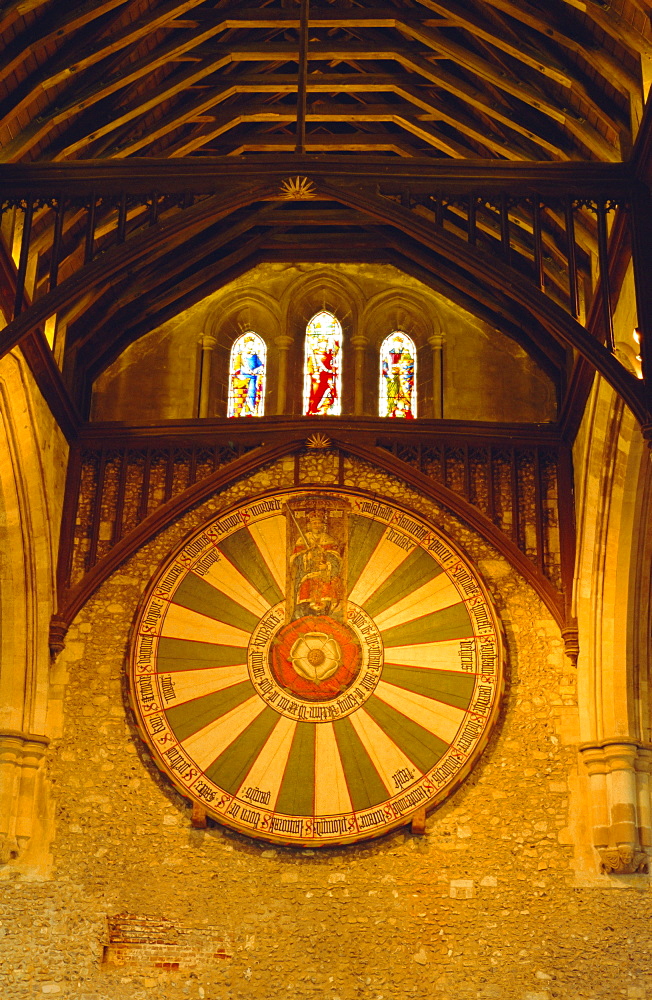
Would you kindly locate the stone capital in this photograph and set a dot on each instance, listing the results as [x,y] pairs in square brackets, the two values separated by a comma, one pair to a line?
[593,757]
[359,341]
[436,341]
[283,342]
[208,342]
[621,756]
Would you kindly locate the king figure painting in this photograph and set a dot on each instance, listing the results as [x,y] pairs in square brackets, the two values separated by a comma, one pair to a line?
[317,544]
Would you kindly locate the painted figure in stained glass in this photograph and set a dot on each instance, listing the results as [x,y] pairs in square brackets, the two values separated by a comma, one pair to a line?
[247,376]
[321,394]
[398,376]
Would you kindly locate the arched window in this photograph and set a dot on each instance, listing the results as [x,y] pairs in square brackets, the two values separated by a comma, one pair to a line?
[398,376]
[247,370]
[322,369]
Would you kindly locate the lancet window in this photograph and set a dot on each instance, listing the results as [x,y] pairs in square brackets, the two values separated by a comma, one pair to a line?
[322,370]
[398,377]
[247,371]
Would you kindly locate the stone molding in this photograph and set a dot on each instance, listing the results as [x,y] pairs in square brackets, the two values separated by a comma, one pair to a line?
[621,808]
[21,757]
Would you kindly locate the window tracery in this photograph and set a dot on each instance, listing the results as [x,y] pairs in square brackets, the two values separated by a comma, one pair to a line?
[398,377]
[322,369]
[247,371]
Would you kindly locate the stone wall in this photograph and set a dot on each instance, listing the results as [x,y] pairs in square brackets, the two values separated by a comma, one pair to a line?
[486,375]
[490,903]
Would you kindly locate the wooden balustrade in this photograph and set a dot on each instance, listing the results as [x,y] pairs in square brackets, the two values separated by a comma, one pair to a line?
[114,484]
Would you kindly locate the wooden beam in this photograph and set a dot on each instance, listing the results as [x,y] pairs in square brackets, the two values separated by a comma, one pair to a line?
[555,30]
[302,93]
[62,70]
[38,356]
[549,314]
[152,242]
[208,175]
[404,115]
[465,18]
[361,142]
[400,114]
[145,277]
[84,99]
[402,85]
[12,10]
[50,31]
[380,49]
[536,97]
[141,317]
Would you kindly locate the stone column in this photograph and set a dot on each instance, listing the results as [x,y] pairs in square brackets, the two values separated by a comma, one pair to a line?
[359,344]
[283,343]
[595,763]
[436,342]
[34,749]
[643,768]
[620,803]
[621,760]
[208,345]
[10,749]
[21,755]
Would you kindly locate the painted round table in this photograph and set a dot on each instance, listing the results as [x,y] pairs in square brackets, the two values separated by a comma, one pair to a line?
[315,666]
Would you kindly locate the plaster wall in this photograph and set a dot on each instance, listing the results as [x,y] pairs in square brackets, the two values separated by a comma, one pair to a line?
[492,902]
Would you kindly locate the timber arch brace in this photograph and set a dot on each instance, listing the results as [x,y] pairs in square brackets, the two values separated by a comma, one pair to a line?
[76,589]
[476,230]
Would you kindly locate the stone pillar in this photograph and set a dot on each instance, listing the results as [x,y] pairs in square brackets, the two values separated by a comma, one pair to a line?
[436,342]
[620,803]
[359,344]
[208,345]
[621,760]
[595,764]
[644,809]
[21,755]
[283,343]
[10,747]
[34,748]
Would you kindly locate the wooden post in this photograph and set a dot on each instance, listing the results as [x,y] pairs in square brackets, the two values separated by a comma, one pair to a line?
[641,220]
[89,241]
[471,220]
[538,248]
[56,242]
[198,817]
[23,259]
[302,89]
[572,258]
[605,286]
[418,824]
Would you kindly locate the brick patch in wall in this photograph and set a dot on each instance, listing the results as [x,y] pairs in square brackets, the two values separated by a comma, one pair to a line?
[156,943]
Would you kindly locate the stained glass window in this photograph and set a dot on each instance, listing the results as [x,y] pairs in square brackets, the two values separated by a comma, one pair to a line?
[398,376]
[247,376]
[322,370]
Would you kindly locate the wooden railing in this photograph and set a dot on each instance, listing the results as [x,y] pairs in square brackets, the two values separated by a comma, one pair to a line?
[517,479]
[517,488]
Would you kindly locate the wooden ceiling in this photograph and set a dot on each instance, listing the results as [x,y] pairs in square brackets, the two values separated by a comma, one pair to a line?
[463,79]
[214,98]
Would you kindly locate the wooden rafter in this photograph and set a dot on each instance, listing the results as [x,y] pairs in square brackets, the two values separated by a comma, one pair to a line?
[460,58]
